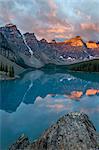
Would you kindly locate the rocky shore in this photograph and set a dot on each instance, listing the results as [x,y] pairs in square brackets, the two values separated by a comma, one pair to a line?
[73,131]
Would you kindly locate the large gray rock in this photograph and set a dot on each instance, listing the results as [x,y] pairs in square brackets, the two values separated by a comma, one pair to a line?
[21,143]
[73,131]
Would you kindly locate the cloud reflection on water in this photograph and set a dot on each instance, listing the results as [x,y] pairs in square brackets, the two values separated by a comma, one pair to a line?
[45,111]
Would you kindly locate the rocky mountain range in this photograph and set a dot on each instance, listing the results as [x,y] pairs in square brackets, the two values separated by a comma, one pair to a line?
[27,51]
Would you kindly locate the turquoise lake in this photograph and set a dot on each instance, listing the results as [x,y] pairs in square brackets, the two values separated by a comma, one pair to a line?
[38,98]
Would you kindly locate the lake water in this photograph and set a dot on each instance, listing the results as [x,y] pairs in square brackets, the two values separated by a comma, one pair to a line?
[35,101]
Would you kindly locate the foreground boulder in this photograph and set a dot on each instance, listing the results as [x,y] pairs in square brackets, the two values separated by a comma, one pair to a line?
[73,131]
[21,143]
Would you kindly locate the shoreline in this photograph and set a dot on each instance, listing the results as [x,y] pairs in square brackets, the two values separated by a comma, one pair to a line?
[4,76]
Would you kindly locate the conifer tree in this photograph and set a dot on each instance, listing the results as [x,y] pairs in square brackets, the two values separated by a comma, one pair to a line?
[1,66]
[6,69]
[9,72]
[12,71]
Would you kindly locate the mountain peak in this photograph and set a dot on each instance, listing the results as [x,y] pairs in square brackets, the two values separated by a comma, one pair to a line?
[30,36]
[76,41]
[53,41]
[43,40]
[78,37]
[10,25]
[92,44]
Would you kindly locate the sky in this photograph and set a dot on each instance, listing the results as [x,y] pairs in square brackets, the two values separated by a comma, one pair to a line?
[53,19]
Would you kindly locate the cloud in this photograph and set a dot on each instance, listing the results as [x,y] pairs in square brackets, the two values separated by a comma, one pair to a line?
[90,27]
[82,14]
[53,18]
[89,31]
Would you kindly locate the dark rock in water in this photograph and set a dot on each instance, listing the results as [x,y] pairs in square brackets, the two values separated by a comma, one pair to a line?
[73,131]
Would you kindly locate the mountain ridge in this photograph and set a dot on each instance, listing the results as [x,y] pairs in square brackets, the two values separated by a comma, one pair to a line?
[31,52]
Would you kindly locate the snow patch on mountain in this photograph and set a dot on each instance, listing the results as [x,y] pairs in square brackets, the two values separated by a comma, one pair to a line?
[31,52]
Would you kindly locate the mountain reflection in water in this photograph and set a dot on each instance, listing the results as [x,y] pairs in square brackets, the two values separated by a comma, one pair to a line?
[32,103]
[37,83]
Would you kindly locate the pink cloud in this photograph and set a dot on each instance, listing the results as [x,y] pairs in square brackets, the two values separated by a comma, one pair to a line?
[90,110]
[90,26]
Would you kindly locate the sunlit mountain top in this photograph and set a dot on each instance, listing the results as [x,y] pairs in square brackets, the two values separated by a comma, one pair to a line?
[76,41]
[92,44]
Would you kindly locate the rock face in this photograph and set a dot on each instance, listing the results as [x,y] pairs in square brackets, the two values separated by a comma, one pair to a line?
[73,131]
[5,48]
[92,44]
[19,46]
[77,41]
[14,38]
[21,143]
[57,53]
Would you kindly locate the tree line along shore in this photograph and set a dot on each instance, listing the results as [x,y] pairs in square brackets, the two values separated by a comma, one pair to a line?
[7,69]
[87,66]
